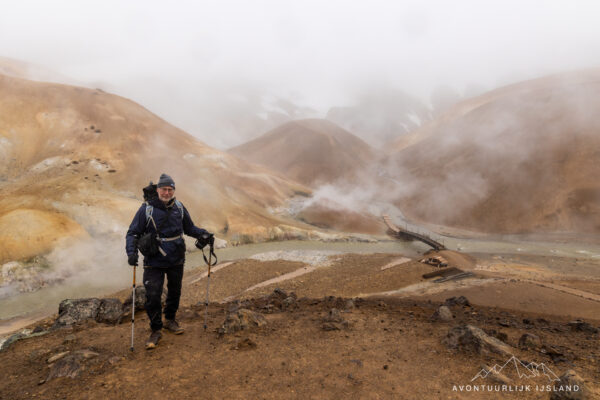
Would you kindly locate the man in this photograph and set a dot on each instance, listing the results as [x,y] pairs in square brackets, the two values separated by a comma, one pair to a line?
[169,219]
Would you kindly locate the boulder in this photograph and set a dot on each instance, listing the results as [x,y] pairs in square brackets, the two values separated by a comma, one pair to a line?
[570,387]
[73,311]
[443,313]
[470,338]
[110,311]
[333,321]
[241,320]
[457,301]
[281,299]
[140,300]
[69,364]
[529,341]
[581,326]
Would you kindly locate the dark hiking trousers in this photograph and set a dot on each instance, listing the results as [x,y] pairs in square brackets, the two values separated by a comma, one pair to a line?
[154,279]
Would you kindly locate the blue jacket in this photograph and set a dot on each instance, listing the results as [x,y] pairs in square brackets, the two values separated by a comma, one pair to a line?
[176,225]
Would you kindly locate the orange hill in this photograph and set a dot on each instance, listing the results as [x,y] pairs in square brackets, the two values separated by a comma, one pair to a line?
[310,151]
[74,160]
[523,158]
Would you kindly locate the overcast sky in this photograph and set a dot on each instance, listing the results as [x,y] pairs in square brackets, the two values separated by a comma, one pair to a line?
[174,57]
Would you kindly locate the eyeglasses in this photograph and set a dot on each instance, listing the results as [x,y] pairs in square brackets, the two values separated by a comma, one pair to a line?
[166,189]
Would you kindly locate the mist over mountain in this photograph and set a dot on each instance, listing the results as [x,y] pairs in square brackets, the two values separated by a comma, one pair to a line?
[73,162]
[381,114]
[523,158]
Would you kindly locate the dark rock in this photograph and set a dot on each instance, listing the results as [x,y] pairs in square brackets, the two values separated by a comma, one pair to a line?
[349,305]
[24,334]
[555,353]
[470,338]
[529,341]
[457,301]
[333,315]
[73,311]
[68,366]
[38,329]
[574,387]
[242,320]
[288,301]
[443,313]
[334,321]
[279,299]
[581,326]
[140,300]
[110,311]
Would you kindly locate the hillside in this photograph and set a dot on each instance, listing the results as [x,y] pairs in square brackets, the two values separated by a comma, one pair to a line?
[73,162]
[523,158]
[310,151]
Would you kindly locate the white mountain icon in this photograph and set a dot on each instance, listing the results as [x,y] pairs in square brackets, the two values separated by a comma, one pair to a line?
[531,370]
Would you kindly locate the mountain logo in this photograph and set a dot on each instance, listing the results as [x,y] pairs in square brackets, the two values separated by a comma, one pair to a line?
[530,370]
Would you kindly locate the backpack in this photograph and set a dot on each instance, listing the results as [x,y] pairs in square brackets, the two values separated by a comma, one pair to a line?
[150,193]
[148,242]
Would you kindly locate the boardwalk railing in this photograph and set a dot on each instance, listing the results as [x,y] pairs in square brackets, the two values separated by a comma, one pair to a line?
[405,234]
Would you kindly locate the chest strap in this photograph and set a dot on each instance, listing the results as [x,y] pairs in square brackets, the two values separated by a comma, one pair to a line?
[171,238]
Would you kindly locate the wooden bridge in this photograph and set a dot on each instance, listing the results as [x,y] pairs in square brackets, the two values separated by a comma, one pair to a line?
[404,234]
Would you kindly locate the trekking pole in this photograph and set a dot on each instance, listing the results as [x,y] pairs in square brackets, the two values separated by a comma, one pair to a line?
[133,308]
[207,291]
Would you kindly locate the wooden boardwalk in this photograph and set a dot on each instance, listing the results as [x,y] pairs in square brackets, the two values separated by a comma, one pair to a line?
[404,234]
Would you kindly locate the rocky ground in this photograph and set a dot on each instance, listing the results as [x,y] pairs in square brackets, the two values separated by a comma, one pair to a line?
[330,326]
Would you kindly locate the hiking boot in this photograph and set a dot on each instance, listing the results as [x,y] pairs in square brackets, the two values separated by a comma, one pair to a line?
[153,339]
[173,326]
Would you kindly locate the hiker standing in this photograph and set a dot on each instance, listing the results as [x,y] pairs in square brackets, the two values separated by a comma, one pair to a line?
[157,230]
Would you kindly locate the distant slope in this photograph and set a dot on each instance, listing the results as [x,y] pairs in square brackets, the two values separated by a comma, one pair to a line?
[523,158]
[73,162]
[311,151]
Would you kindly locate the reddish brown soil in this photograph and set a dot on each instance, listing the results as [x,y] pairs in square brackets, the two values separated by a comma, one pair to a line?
[391,349]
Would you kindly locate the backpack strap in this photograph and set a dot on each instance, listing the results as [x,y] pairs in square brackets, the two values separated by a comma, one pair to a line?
[180,206]
[149,218]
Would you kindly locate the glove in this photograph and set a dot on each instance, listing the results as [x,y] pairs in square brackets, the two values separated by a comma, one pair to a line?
[204,239]
[132,259]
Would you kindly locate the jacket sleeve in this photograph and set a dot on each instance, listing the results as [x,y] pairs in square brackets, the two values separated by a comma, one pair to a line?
[136,229]
[188,225]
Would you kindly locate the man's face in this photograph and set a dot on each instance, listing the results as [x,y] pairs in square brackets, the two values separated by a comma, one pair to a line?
[165,193]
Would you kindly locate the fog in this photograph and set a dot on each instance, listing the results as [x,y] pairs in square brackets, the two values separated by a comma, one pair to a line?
[221,69]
